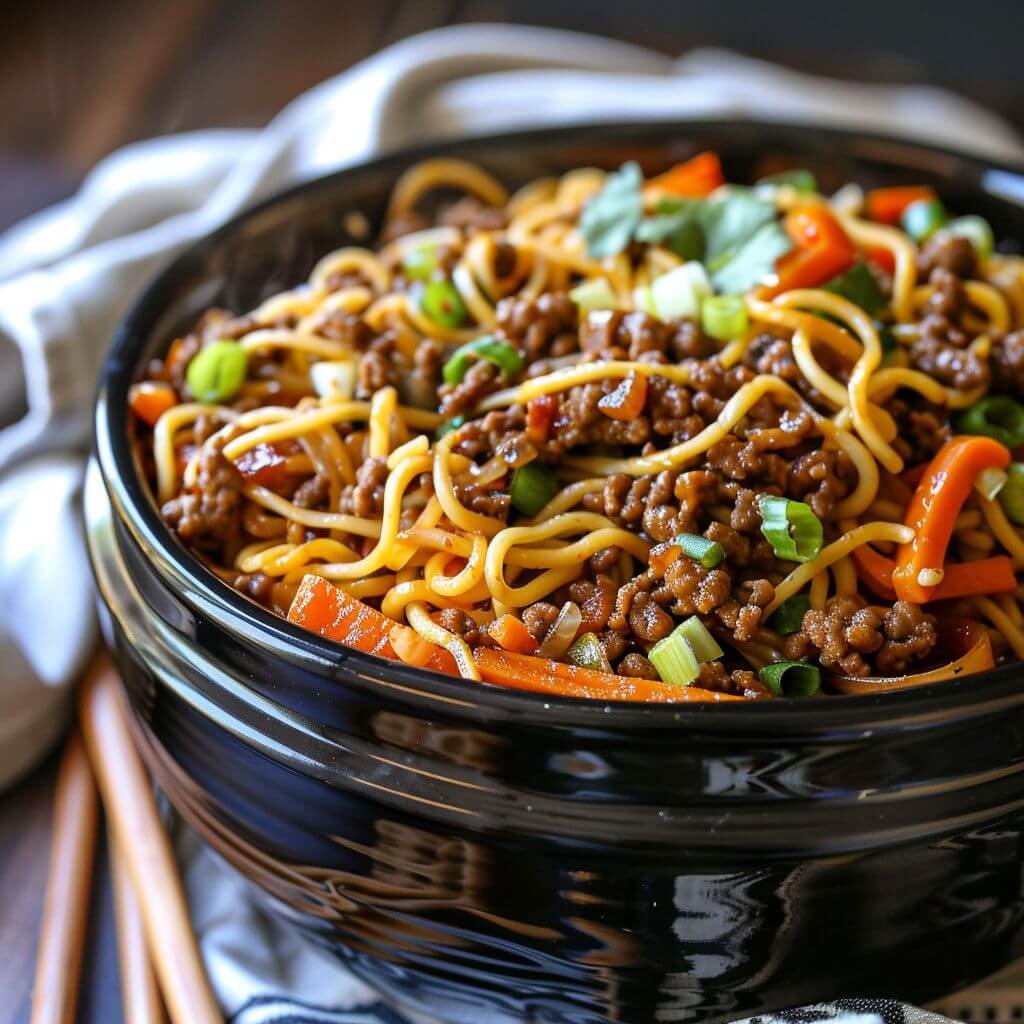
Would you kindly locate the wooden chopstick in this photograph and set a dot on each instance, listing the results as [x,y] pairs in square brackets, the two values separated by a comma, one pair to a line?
[145,848]
[68,885]
[140,998]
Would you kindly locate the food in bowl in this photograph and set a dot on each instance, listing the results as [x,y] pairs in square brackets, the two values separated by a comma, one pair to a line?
[622,437]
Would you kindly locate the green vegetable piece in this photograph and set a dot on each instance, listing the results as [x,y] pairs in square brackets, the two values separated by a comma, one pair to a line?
[494,350]
[217,372]
[533,486]
[789,616]
[799,178]
[791,678]
[708,553]
[420,261]
[859,286]
[674,660]
[922,219]
[753,261]
[449,426]
[996,416]
[596,293]
[701,642]
[791,527]
[886,337]
[587,652]
[1011,497]
[442,303]
[724,317]
[677,226]
[610,218]
[680,292]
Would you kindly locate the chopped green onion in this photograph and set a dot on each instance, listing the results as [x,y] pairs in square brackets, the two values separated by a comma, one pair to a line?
[799,178]
[708,552]
[588,652]
[449,426]
[791,678]
[996,416]
[701,642]
[922,219]
[217,371]
[791,527]
[989,482]
[860,287]
[977,231]
[420,261]
[789,616]
[442,303]
[643,300]
[533,486]
[680,292]
[494,350]
[594,294]
[724,317]
[1011,497]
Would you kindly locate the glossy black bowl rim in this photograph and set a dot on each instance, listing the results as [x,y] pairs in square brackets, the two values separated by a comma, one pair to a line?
[205,593]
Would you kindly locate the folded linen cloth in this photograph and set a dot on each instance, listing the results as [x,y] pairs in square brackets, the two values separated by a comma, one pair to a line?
[68,274]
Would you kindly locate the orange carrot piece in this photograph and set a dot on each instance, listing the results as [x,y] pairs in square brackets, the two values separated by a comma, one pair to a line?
[410,647]
[540,675]
[511,634]
[323,608]
[149,400]
[626,402]
[934,507]
[884,259]
[960,579]
[886,205]
[697,177]
[823,249]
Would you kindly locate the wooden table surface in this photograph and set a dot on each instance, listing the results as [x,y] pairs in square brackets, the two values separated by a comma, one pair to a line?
[78,80]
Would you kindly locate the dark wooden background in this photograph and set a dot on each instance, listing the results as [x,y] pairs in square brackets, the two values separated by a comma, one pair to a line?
[79,79]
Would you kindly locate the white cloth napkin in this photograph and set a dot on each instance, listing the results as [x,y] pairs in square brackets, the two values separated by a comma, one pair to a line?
[68,274]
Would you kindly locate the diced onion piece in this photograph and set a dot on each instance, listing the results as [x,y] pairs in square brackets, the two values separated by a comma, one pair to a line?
[626,402]
[595,293]
[791,678]
[701,642]
[789,616]
[562,632]
[990,482]
[1011,497]
[644,300]
[533,486]
[724,317]
[976,230]
[588,652]
[930,577]
[334,379]
[791,527]
[680,292]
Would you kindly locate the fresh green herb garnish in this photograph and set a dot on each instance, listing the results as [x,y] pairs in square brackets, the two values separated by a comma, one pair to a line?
[610,218]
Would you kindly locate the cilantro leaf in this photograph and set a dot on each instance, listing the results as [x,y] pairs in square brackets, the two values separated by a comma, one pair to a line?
[753,260]
[677,227]
[731,221]
[610,218]
[860,287]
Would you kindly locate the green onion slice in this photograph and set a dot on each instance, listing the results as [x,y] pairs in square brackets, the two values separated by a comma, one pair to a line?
[708,552]
[791,527]
[789,616]
[701,642]
[680,292]
[724,317]
[442,303]
[1011,497]
[977,231]
[922,219]
[594,294]
[679,656]
[494,350]
[996,416]
[420,261]
[791,678]
[449,426]
[860,287]
[587,652]
[217,372]
[799,178]
[533,486]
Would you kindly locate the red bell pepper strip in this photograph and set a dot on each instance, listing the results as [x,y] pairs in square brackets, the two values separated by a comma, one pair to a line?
[886,205]
[823,250]
[934,507]
[697,177]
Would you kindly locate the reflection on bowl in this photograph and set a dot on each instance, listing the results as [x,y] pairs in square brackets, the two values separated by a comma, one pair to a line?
[483,854]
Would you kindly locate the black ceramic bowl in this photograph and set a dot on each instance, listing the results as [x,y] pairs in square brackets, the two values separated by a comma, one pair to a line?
[489,855]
